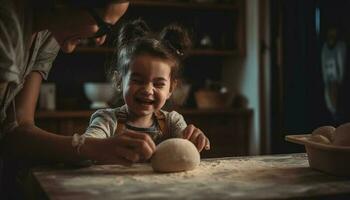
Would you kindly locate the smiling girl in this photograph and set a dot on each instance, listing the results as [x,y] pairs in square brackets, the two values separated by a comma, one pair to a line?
[146,70]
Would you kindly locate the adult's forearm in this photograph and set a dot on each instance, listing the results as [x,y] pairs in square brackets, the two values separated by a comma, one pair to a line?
[31,142]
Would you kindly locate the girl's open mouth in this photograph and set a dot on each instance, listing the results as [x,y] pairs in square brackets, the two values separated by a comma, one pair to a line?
[144,101]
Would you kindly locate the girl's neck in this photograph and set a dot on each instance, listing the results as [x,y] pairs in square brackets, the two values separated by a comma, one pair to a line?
[140,121]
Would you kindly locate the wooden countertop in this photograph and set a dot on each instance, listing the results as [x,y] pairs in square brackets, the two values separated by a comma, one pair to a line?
[261,177]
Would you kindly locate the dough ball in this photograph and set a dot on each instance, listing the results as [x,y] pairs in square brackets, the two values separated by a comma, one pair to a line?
[320,139]
[174,155]
[326,131]
[342,135]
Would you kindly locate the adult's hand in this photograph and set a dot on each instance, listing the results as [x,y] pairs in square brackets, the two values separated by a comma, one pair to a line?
[125,149]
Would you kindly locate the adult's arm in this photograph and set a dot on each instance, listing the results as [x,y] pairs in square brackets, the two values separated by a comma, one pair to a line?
[29,141]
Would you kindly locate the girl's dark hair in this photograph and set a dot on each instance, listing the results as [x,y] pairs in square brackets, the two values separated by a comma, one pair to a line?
[135,38]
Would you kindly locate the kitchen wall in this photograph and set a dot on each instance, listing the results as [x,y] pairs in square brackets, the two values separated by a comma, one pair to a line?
[243,75]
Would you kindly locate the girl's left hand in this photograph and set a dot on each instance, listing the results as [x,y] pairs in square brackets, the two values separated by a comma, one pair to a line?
[197,137]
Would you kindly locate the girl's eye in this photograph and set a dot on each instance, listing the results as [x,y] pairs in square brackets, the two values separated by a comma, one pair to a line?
[159,84]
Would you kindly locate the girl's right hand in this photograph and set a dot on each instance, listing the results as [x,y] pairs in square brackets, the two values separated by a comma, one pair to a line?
[125,149]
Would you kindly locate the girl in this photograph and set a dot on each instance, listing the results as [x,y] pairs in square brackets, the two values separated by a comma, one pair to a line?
[146,71]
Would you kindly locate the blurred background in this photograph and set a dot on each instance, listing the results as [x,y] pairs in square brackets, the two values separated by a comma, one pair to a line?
[258,70]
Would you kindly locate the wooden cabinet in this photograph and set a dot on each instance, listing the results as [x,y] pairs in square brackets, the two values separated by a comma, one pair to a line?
[216,29]
[221,23]
[218,36]
[228,130]
[63,122]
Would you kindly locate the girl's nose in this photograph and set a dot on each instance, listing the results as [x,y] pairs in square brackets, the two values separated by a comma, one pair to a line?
[148,89]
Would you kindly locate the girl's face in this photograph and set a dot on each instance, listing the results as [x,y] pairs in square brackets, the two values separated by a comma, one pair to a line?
[146,86]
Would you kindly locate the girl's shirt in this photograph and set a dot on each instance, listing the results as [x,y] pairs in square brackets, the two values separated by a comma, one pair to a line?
[104,124]
[155,132]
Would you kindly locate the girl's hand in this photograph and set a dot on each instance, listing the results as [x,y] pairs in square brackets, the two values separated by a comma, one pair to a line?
[197,137]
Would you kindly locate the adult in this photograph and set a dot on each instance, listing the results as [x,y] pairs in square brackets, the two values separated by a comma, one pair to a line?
[31,34]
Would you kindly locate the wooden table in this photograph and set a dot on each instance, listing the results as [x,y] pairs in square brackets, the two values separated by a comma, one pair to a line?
[261,177]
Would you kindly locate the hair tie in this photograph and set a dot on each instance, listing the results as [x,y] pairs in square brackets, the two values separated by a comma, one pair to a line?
[176,50]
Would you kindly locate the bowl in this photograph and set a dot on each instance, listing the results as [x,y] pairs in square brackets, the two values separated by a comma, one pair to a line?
[329,158]
[99,94]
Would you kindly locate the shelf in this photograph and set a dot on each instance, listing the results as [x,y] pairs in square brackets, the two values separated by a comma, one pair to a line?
[63,114]
[235,6]
[188,5]
[195,52]
[213,52]
[87,113]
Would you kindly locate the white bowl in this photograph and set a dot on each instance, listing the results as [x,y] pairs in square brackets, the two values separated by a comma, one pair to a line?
[99,94]
[328,158]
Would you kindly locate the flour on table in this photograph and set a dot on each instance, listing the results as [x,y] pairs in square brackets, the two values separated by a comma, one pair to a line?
[219,170]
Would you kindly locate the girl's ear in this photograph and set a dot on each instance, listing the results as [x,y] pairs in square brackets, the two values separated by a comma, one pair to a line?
[169,95]
[173,86]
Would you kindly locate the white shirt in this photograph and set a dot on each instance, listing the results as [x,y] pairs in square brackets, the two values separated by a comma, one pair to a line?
[18,57]
[103,123]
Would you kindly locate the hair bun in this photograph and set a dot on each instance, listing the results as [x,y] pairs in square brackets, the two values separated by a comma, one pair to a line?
[176,38]
[132,30]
